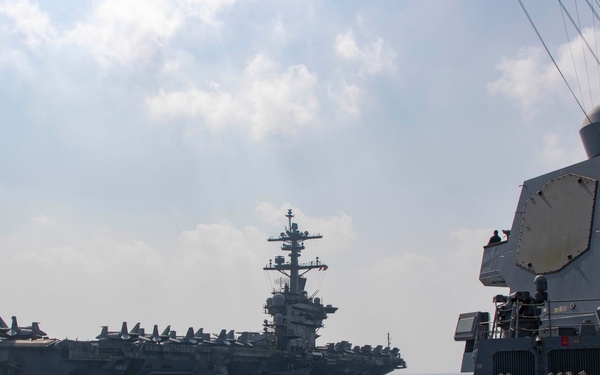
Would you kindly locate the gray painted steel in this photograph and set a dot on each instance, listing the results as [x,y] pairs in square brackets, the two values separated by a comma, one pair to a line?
[549,322]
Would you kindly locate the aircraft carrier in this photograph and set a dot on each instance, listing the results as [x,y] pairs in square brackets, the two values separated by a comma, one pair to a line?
[550,257]
[285,345]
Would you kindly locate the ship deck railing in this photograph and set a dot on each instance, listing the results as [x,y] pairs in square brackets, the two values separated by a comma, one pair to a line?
[557,318]
[589,318]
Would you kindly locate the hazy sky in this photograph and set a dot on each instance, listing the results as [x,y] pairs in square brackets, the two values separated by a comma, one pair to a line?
[149,148]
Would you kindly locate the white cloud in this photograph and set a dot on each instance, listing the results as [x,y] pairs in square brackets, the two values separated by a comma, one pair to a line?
[373,58]
[347,97]
[270,214]
[216,107]
[205,10]
[221,244]
[127,31]
[532,79]
[29,21]
[555,155]
[346,46]
[527,78]
[267,101]
[581,68]
[280,102]
[26,30]
[46,243]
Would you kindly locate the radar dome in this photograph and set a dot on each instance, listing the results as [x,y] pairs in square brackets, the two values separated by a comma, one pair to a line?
[278,299]
[590,133]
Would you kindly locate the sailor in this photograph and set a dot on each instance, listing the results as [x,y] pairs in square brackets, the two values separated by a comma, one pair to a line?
[495,238]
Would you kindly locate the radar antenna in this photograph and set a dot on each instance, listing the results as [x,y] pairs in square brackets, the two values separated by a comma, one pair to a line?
[293,241]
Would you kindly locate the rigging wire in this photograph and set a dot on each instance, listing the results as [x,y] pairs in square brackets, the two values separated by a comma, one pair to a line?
[552,58]
[587,72]
[592,8]
[594,19]
[562,13]
[596,16]
[578,31]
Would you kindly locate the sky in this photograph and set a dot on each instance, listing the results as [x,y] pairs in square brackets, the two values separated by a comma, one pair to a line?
[149,149]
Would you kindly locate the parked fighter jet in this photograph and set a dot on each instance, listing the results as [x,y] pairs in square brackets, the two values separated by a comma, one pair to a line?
[201,336]
[15,332]
[231,337]
[163,337]
[220,339]
[246,339]
[123,334]
[187,339]
[252,338]
[223,338]
[136,332]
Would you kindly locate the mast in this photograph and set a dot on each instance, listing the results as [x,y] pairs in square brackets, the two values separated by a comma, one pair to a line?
[293,241]
[296,316]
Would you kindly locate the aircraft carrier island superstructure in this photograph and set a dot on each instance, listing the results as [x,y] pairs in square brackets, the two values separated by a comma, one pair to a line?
[286,344]
[550,260]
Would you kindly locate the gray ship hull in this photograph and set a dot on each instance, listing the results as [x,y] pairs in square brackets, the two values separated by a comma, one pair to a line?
[40,357]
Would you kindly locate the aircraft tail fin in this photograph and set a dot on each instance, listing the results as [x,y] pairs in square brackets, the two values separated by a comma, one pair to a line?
[124,334]
[200,335]
[222,338]
[190,333]
[36,331]
[3,324]
[189,337]
[136,329]
[155,335]
[231,335]
[14,327]
[104,333]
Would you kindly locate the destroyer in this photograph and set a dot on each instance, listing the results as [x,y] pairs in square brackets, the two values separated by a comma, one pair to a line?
[286,345]
[548,324]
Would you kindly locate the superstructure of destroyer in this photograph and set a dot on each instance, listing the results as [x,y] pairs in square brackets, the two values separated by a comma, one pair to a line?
[286,345]
[549,323]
